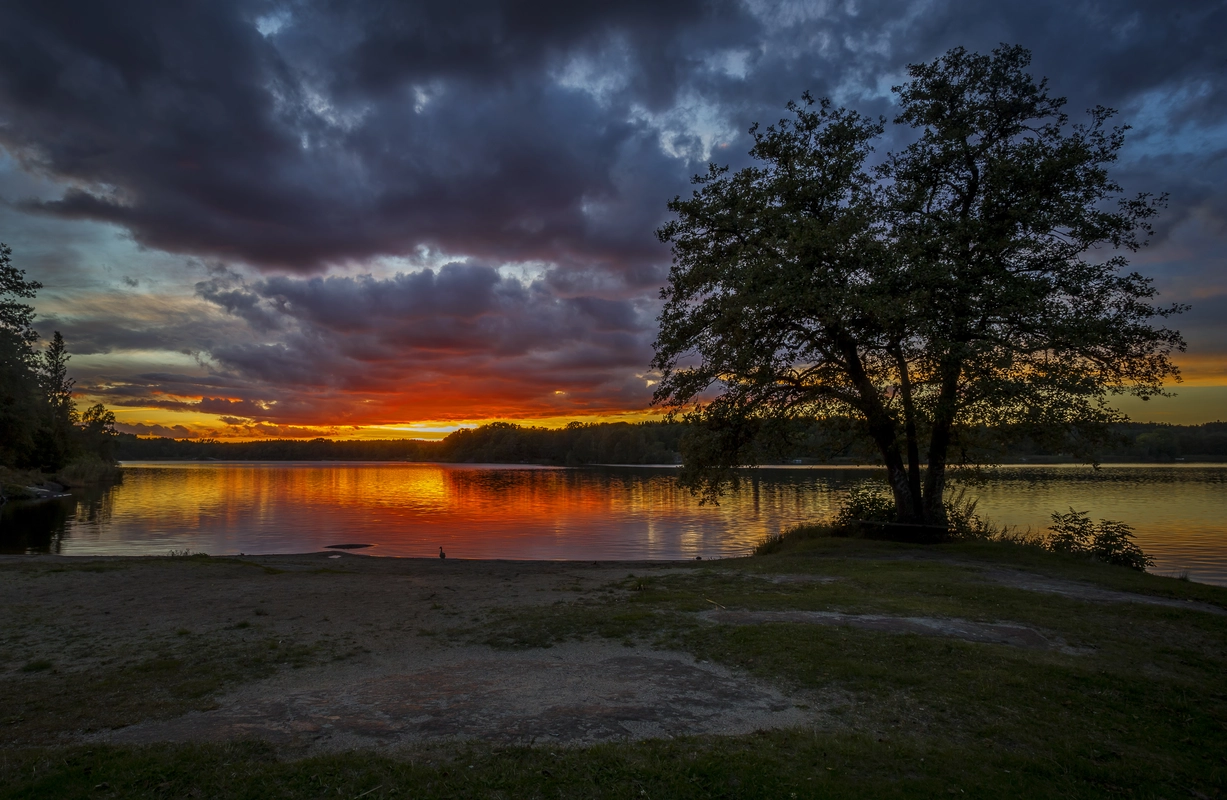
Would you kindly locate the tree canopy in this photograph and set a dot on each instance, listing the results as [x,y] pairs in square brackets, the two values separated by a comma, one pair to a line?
[973,281]
[40,427]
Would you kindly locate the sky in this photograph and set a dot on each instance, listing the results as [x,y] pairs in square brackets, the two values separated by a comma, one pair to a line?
[370,220]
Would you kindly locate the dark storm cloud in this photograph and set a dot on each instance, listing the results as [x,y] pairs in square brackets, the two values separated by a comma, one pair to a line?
[355,332]
[459,342]
[359,129]
[356,130]
[119,323]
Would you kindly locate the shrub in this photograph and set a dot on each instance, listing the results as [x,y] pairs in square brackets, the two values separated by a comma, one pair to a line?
[1071,533]
[15,491]
[1012,535]
[866,503]
[1113,544]
[770,544]
[963,520]
[87,469]
[1109,541]
[966,525]
[790,537]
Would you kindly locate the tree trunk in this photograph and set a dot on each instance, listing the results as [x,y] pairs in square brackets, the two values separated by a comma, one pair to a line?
[901,488]
[916,512]
[939,443]
[881,427]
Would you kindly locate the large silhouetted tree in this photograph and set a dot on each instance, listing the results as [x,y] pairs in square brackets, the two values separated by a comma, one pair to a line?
[976,279]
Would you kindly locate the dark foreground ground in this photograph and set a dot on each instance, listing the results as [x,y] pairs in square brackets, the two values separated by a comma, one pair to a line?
[838,668]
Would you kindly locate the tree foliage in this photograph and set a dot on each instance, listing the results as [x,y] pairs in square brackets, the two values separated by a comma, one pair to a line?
[19,389]
[54,438]
[39,424]
[974,280]
[16,317]
[1109,541]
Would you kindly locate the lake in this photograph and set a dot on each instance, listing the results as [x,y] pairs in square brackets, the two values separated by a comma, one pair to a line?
[497,511]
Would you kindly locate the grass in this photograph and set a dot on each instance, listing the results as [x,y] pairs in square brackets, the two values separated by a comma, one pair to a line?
[43,704]
[1138,709]
[88,469]
[774,765]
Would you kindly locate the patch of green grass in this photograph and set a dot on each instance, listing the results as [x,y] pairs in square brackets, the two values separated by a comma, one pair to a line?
[1141,706]
[780,764]
[792,538]
[816,552]
[182,675]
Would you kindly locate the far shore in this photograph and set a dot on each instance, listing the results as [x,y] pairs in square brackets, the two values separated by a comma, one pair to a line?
[1037,462]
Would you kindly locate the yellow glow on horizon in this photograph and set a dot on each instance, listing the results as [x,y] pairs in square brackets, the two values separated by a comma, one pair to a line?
[157,421]
[1200,370]
[1200,397]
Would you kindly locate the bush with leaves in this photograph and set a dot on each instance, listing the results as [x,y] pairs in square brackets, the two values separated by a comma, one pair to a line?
[963,520]
[1110,541]
[866,503]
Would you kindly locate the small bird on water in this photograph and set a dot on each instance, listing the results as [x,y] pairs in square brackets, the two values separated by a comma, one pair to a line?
[441,553]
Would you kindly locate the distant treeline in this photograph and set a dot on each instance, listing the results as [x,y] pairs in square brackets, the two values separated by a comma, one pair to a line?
[1149,441]
[499,442]
[652,443]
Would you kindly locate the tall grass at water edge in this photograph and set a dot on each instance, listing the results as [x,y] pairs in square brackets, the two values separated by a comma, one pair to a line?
[1109,541]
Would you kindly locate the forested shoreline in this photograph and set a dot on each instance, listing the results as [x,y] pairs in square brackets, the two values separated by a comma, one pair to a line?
[662,443]
[41,430]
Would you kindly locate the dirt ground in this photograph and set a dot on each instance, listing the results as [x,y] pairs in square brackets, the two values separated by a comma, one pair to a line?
[392,674]
[383,663]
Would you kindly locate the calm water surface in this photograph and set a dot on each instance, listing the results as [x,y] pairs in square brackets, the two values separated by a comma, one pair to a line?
[592,513]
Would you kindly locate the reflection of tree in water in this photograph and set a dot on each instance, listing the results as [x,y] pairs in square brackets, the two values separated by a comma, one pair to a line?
[1111,474]
[33,527]
[504,485]
[43,527]
[95,505]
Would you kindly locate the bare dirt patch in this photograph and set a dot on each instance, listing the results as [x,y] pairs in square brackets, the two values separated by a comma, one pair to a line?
[353,651]
[798,578]
[1077,590]
[992,633]
[577,693]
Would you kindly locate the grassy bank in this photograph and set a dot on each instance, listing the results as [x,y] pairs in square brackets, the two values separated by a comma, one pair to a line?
[1129,701]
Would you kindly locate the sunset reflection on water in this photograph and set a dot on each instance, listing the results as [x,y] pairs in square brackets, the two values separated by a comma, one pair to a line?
[592,513]
[413,509]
